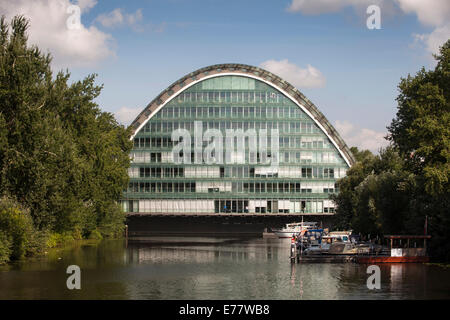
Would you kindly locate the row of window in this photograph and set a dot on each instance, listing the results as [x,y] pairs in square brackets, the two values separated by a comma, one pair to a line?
[283,127]
[229,206]
[236,187]
[243,96]
[241,157]
[283,142]
[230,172]
[251,112]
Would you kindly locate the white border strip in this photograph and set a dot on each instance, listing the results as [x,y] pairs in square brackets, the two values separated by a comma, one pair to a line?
[248,76]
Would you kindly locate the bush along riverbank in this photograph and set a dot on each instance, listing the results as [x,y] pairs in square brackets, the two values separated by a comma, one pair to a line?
[19,239]
[63,162]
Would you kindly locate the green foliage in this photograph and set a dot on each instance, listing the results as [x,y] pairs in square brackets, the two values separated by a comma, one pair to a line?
[60,155]
[16,226]
[5,249]
[95,235]
[421,129]
[347,198]
[363,155]
[59,239]
[421,132]
[112,224]
[374,197]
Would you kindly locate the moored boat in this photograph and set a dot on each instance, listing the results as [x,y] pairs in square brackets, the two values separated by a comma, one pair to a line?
[318,241]
[403,248]
[343,242]
[316,246]
[292,229]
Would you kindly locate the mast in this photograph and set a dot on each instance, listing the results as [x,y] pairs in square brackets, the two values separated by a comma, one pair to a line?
[426,225]
[301,238]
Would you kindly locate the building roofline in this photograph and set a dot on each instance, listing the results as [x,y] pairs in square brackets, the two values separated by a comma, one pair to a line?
[257,73]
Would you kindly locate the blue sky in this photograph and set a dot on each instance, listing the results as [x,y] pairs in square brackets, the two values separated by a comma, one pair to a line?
[138,48]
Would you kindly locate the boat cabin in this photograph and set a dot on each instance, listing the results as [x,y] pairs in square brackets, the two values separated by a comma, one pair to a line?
[304,225]
[340,236]
[407,245]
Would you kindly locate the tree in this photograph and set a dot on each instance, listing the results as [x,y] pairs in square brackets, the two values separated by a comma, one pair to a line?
[421,129]
[62,158]
[346,199]
[374,197]
[421,132]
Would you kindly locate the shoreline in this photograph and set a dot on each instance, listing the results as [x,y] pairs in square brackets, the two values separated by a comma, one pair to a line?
[68,245]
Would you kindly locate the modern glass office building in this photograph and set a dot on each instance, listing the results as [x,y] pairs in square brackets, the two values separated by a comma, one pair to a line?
[310,155]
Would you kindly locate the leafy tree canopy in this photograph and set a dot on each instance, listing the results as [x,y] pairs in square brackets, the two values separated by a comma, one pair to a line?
[61,157]
[421,128]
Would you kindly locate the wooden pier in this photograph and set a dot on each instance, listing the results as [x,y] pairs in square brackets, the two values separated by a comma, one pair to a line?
[325,258]
[363,259]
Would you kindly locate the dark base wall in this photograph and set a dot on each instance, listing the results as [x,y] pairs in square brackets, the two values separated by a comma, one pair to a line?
[211,226]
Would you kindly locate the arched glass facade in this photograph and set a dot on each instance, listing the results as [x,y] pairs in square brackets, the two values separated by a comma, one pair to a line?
[309,163]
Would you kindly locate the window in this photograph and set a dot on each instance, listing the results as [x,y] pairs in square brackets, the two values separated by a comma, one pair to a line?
[306,172]
[328,173]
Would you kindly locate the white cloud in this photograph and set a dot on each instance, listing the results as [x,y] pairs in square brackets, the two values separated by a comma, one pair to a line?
[309,77]
[118,18]
[435,39]
[126,115]
[134,18]
[429,12]
[363,138]
[86,5]
[83,46]
[434,13]
[111,19]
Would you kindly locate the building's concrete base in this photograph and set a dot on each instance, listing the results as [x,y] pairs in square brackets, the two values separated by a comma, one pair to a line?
[212,226]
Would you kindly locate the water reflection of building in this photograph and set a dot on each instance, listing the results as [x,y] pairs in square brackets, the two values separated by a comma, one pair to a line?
[396,276]
[202,254]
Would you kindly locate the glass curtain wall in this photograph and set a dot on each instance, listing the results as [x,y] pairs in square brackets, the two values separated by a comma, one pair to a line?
[309,164]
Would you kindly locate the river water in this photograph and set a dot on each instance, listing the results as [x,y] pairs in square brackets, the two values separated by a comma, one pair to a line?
[210,268]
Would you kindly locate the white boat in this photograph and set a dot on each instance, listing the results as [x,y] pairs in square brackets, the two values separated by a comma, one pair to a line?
[342,242]
[293,228]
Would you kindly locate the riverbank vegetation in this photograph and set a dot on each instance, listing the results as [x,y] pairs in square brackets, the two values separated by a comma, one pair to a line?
[396,191]
[63,162]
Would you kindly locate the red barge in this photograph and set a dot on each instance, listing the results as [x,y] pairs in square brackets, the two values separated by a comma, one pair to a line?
[403,248]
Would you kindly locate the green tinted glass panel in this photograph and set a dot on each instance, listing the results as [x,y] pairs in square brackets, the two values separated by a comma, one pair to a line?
[309,163]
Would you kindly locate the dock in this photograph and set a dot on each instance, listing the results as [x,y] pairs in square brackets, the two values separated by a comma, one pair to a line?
[402,249]
[362,259]
[326,258]
[269,235]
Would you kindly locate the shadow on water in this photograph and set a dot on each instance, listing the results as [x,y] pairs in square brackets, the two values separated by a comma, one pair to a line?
[209,268]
